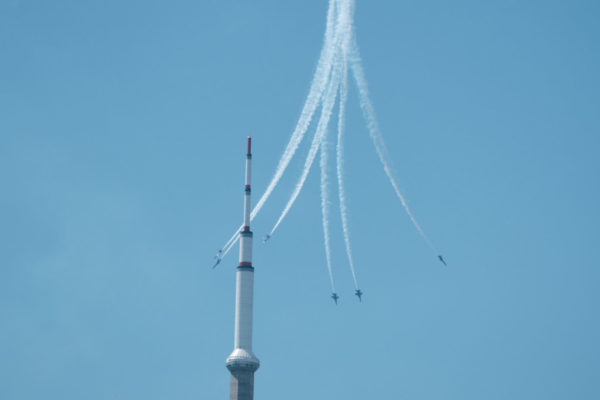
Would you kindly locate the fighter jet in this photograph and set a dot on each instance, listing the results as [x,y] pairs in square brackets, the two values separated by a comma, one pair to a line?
[359,294]
[335,297]
[218,258]
[442,260]
[267,237]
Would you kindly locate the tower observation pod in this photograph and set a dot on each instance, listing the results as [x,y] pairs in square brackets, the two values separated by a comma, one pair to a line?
[242,363]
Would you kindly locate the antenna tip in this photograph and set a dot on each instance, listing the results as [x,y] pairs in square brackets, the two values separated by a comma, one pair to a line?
[249,145]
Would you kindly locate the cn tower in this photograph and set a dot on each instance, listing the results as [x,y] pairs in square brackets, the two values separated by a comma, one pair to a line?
[242,363]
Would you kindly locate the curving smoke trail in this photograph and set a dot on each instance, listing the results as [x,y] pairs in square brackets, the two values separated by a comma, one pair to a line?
[325,208]
[326,110]
[232,240]
[347,8]
[340,170]
[343,29]
[317,87]
[339,54]
[374,132]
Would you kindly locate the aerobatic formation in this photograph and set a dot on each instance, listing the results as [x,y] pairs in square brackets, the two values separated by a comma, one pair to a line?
[339,58]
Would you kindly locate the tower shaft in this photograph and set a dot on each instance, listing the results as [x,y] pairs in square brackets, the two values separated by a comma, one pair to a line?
[242,363]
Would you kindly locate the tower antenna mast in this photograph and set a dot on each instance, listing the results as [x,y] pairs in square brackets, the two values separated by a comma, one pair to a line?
[242,363]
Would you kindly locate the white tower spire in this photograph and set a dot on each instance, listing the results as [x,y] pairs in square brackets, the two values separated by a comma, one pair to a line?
[242,363]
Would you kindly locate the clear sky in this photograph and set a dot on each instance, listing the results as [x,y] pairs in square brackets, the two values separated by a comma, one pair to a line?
[122,127]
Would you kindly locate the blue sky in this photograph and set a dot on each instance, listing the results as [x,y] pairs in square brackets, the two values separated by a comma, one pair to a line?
[122,128]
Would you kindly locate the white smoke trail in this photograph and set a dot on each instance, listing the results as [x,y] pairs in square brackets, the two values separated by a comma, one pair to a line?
[374,132]
[340,169]
[340,51]
[347,12]
[317,87]
[232,240]
[325,208]
[327,108]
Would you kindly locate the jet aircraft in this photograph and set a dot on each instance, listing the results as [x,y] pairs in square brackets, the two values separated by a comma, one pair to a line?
[218,258]
[442,260]
[358,294]
[267,237]
[335,297]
